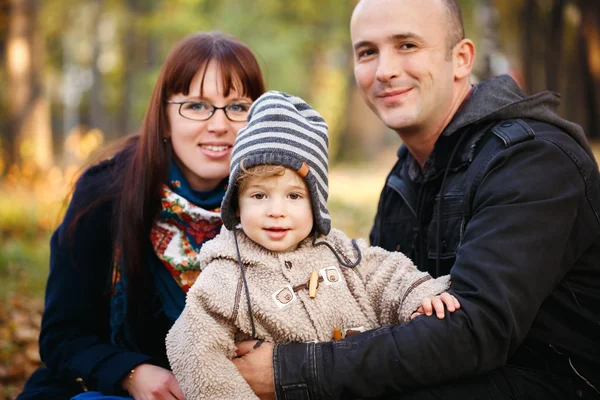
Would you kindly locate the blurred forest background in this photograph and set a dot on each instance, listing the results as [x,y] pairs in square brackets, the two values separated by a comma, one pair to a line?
[76,74]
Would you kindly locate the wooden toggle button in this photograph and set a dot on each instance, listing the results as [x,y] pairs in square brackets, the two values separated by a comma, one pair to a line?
[337,334]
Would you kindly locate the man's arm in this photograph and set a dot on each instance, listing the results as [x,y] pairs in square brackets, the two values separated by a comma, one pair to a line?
[528,196]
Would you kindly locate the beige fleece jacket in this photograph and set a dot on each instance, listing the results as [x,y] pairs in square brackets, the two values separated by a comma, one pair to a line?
[384,288]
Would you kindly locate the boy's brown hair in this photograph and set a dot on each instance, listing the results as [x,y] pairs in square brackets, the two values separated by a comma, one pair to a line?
[261,171]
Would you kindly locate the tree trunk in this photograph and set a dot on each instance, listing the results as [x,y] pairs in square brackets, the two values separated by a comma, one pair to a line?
[97,114]
[529,17]
[29,135]
[489,39]
[590,32]
[129,67]
[329,83]
[554,46]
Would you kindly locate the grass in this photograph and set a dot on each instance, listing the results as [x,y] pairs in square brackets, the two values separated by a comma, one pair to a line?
[27,217]
[353,196]
[24,266]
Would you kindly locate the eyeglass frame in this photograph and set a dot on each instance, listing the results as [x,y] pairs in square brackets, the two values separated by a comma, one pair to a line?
[214,108]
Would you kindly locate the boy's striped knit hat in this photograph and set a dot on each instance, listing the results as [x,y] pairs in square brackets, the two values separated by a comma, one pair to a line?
[282,130]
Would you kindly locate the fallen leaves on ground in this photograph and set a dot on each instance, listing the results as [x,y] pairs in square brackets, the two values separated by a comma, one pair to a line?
[20,320]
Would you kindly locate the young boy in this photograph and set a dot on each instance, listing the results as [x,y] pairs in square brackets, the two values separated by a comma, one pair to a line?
[277,271]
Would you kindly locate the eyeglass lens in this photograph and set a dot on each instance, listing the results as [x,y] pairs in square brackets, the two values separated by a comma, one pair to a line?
[202,110]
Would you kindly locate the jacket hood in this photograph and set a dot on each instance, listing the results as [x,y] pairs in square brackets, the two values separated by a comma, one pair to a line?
[501,98]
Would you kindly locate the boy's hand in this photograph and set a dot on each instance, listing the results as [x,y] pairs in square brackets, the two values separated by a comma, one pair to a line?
[429,304]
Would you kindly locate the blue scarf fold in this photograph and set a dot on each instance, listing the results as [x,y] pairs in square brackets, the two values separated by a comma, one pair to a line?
[208,200]
[168,291]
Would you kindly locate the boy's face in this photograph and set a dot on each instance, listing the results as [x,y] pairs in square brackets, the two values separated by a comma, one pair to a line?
[276,211]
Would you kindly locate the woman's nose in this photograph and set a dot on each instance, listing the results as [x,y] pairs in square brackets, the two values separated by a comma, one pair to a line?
[219,124]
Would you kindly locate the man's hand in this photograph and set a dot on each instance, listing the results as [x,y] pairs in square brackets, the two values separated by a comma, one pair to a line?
[436,303]
[150,382]
[256,366]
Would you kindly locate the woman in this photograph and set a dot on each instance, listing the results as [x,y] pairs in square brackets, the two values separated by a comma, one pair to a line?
[124,254]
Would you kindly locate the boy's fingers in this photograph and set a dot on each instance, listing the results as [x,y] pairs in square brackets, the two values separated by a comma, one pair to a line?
[448,299]
[417,313]
[438,304]
[426,304]
[456,303]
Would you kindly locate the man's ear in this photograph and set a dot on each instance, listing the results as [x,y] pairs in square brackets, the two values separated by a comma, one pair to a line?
[463,56]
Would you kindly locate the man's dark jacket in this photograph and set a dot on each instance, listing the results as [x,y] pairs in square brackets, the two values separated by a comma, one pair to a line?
[519,235]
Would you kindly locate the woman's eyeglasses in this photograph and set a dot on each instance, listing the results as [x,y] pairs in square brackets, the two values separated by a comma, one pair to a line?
[202,110]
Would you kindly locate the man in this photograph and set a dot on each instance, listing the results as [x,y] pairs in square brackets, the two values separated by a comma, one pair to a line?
[491,187]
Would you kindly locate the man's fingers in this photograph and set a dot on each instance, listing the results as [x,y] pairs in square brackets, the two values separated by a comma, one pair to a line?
[238,362]
[243,348]
[456,302]
[256,367]
[176,391]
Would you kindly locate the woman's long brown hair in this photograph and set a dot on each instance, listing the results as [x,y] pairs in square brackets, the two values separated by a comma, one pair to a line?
[139,199]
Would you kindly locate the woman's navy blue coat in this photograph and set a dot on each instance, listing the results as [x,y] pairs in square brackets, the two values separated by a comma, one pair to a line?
[75,336]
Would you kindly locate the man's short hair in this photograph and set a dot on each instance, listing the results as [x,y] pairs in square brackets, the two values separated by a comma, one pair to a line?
[456,30]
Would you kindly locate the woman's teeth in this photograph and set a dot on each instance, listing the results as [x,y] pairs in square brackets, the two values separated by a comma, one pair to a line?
[214,148]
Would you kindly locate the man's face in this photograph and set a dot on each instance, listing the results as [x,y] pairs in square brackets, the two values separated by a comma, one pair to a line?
[401,62]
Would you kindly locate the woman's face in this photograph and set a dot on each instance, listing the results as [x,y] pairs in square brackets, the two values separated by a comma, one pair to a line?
[203,148]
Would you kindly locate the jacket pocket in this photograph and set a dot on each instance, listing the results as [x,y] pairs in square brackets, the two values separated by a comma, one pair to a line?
[296,392]
[399,235]
[452,224]
[397,227]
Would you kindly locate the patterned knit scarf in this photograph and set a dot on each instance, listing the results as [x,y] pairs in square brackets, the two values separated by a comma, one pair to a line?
[178,234]
[188,219]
